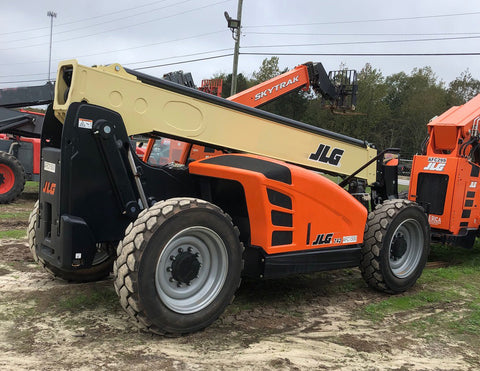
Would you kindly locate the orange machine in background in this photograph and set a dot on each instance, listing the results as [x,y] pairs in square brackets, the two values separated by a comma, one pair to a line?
[445,179]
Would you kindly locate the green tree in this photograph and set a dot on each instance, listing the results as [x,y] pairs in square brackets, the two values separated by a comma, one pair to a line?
[464,88]
[413,101]
[268,70]
[242,83]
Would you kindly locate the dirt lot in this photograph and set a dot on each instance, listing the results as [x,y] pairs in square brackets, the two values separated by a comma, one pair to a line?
[323,321]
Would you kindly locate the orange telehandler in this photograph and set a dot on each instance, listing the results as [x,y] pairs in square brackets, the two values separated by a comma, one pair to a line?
[445,178]
[180,236]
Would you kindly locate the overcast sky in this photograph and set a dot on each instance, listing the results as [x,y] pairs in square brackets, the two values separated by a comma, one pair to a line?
[157,33]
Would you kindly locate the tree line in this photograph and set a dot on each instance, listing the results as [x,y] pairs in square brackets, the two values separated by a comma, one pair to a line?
[391,111]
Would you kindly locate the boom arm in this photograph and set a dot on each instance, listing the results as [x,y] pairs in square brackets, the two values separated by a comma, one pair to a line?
[334,88]
[148,104]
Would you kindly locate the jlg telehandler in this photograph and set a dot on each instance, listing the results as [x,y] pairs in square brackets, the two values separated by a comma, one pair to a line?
[445,178]
[180,236]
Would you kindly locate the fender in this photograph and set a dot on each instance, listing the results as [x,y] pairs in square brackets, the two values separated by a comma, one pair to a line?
[289,208]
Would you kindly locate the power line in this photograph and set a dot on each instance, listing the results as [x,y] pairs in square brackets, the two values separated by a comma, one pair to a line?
[282,54]
[183,62]
[147,61]
[22,81]
[369,54]
[122,50]
[83,19]
[110,21]
[178,56]
[123,27]
[363,42]
[361,34]
[363,21]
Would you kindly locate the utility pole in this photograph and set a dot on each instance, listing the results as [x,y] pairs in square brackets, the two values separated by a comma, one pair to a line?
[51,15]
[235,26]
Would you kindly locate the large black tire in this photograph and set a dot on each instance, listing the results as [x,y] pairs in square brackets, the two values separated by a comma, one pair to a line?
[102,263]
[12,178]
[396,246]
[178,266]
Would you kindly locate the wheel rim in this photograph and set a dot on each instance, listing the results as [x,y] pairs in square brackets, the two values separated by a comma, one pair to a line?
[191,270]
[101,255]
[7,179]
[406,248]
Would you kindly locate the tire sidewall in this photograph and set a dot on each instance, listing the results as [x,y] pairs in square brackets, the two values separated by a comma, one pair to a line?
[155,309]
[395,283]
[19,177]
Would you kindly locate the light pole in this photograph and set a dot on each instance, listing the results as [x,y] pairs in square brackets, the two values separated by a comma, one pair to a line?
[51,15]
[235,26]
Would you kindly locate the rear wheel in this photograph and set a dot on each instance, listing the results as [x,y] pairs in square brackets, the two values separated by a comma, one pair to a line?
[12,177]
[102,262]
[396,246]
[178,266]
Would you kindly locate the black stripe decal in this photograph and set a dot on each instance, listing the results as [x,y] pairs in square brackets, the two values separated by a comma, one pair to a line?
[308,233]
[468,203]
[271,170]
[470,194]
[466,214]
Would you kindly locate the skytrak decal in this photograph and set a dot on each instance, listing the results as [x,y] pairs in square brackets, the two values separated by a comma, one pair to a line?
[322,155]
[276,88]
[436,164]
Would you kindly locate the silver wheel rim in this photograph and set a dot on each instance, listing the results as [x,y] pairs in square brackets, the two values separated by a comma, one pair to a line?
[405,248]
[207,253]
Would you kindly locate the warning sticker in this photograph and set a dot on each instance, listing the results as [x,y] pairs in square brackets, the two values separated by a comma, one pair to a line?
[85,123]
[49,166]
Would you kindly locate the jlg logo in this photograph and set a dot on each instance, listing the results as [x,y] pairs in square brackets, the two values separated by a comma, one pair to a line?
[49,188]
[322,155]
[436,164]
[323,239]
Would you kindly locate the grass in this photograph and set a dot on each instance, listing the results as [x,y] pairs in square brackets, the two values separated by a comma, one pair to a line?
[409,302]
[444,301]
[16,215]
[13,234]
[31,187]
[90,297]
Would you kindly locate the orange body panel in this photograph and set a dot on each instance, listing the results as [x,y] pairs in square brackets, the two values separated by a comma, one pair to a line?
[322,213]
[448,173]
[461,198]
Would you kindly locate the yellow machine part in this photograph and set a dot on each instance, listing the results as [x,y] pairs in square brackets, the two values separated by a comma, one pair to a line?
[146,108]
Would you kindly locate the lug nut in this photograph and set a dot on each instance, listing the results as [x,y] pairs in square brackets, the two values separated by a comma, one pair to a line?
[169,269]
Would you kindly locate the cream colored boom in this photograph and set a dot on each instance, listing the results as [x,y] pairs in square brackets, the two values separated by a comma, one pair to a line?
[173,110]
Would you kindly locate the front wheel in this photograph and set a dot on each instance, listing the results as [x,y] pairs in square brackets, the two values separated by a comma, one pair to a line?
[396,246]
[178,266]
